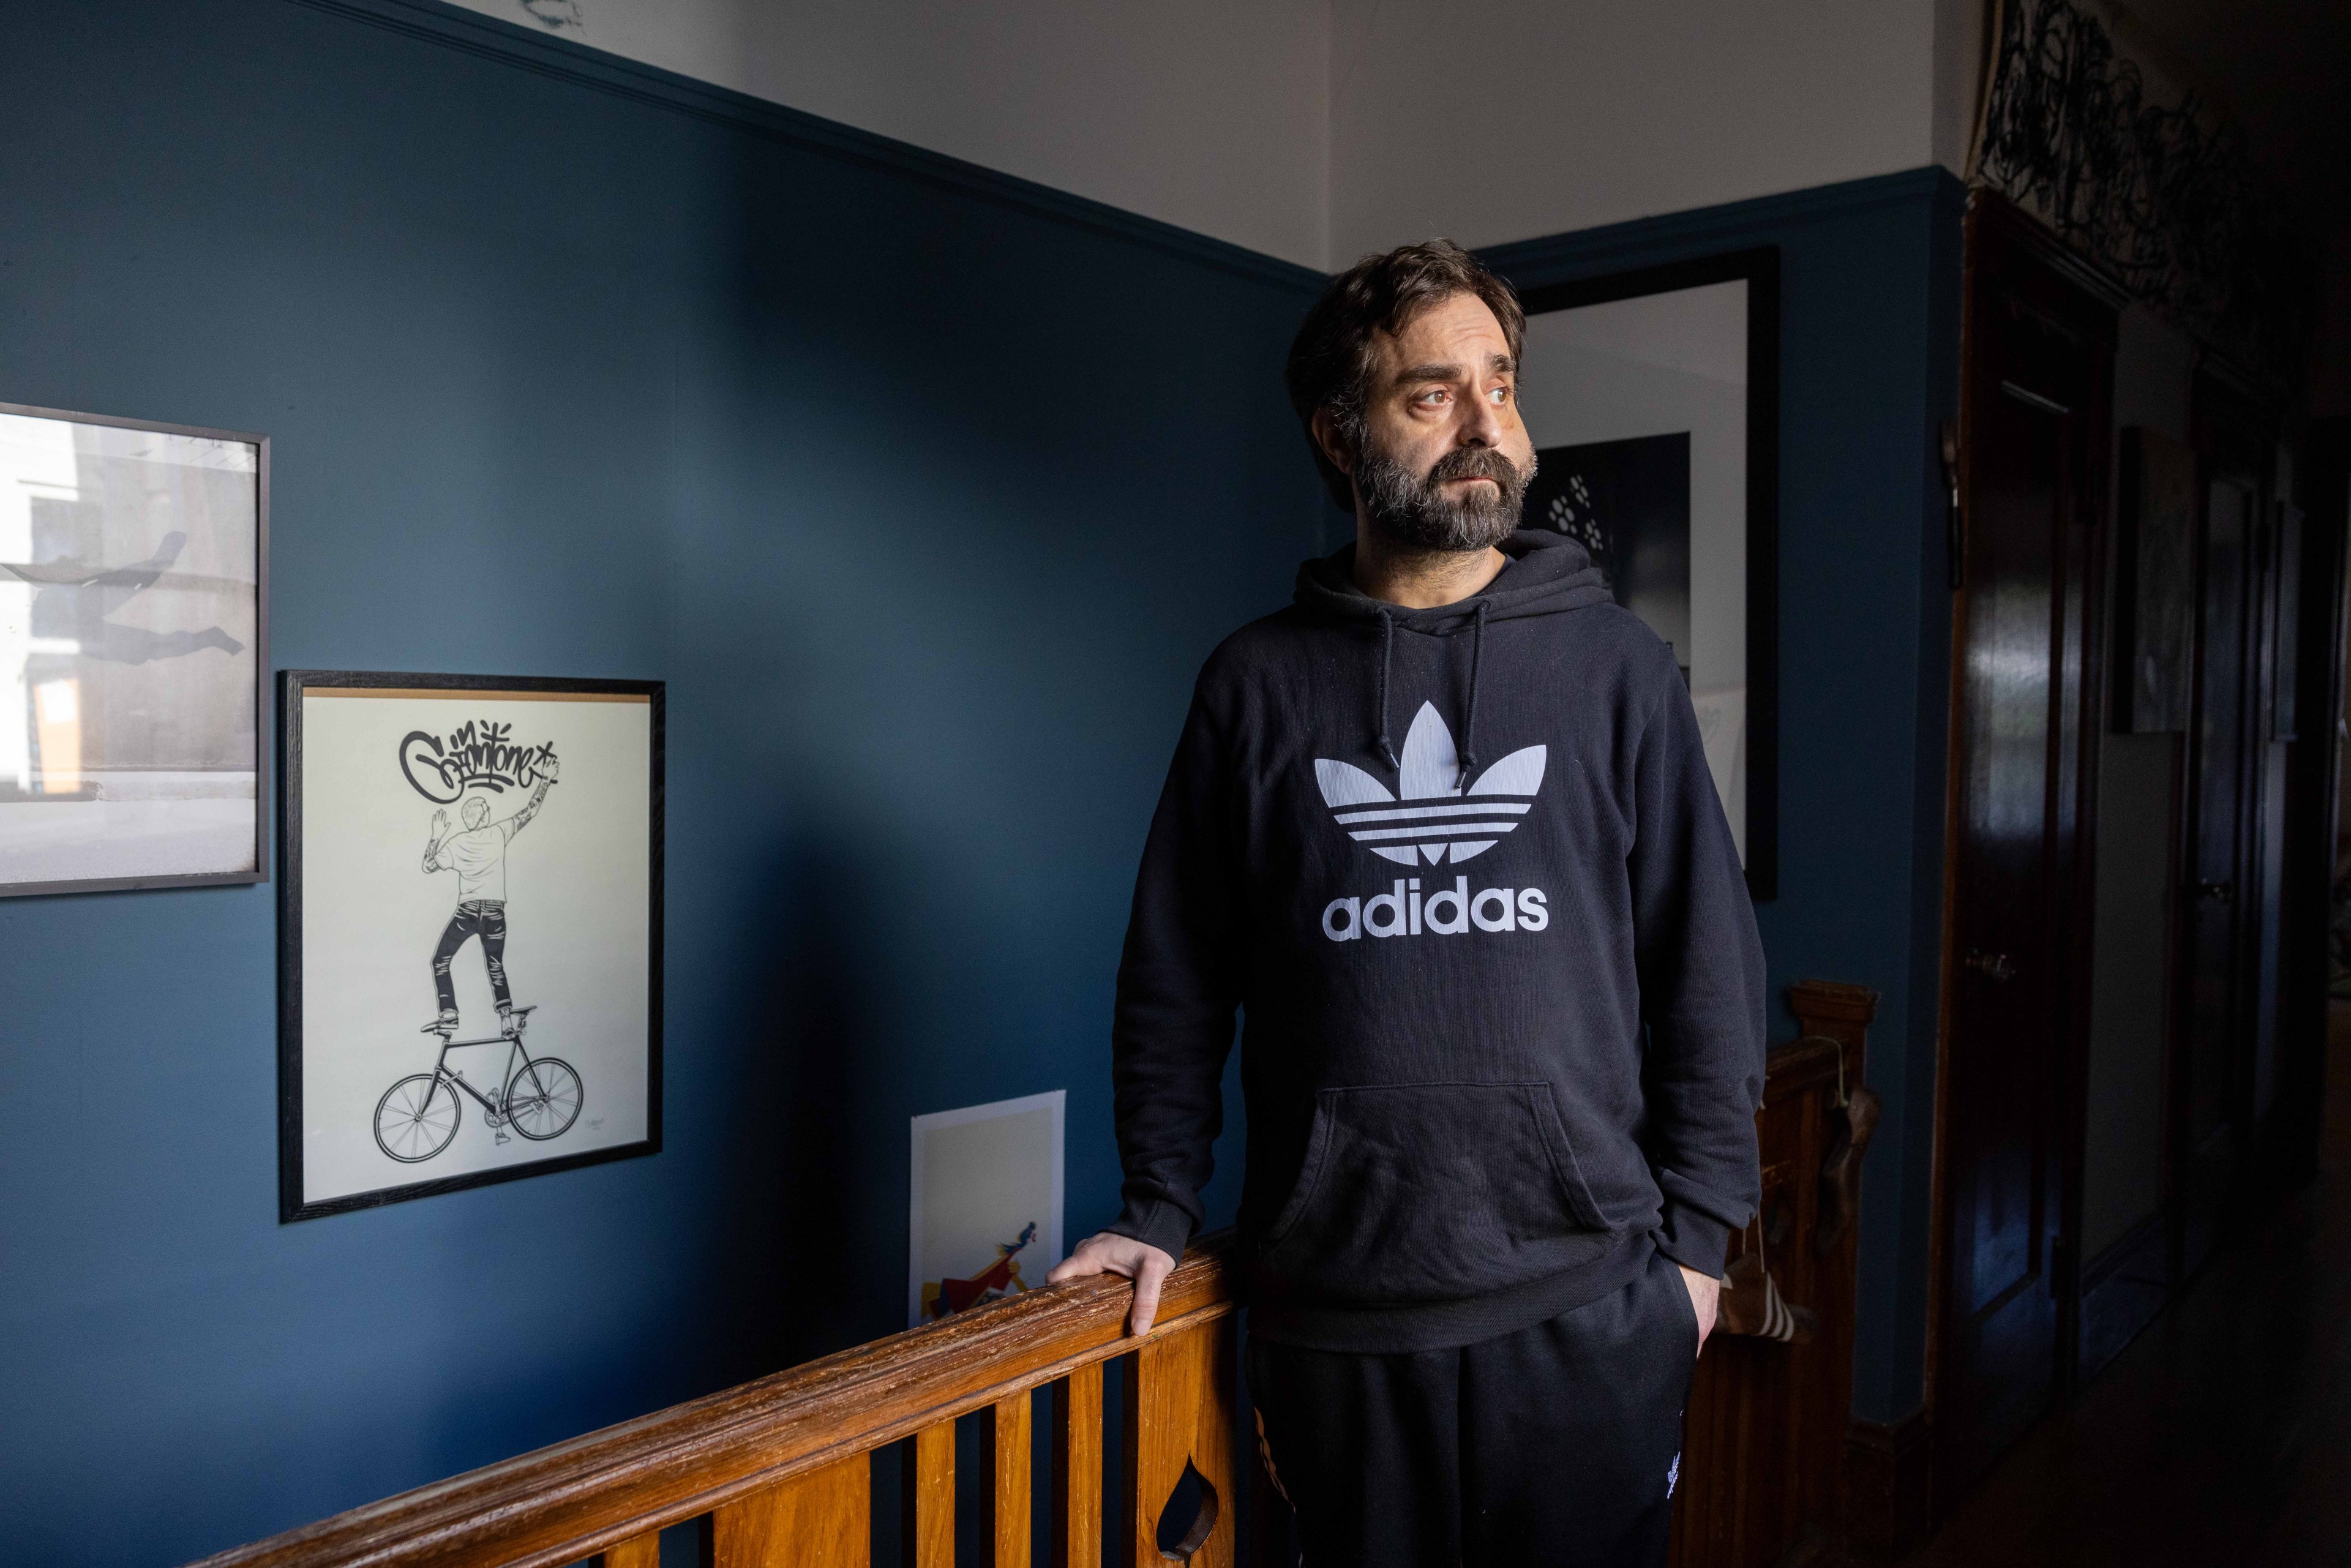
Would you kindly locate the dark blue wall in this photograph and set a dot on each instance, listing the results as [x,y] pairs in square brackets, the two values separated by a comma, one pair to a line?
[1868,370]
[925,493]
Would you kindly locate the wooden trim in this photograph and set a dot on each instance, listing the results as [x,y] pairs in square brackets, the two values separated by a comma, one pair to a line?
[1833,1008]
[1889,1488]
[435,694]
[1988,209]
[573,1500]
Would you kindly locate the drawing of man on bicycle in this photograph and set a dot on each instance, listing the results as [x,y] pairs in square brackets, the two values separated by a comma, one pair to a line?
[477,853]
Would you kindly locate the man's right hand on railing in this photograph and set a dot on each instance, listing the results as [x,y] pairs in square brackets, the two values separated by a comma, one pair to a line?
[1139,1261]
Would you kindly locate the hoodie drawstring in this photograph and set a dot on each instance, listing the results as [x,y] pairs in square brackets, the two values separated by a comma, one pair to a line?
[1469,721]
[1387,657]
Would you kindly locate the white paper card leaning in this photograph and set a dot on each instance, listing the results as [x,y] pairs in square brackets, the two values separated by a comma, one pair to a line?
[984,1221]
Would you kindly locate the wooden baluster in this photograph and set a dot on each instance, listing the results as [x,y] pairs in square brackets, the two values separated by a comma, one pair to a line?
[822,1519]
[639,1551]
[1004,1434]
[1076,1469]
[1179,1410]
[926,1499]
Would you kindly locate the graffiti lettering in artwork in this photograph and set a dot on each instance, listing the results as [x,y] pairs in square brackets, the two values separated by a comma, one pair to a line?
[482,755]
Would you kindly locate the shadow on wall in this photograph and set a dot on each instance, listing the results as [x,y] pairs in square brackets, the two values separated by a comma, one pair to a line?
[805,1084]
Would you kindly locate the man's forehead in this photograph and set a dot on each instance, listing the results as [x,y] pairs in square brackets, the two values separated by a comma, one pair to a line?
[1459,331]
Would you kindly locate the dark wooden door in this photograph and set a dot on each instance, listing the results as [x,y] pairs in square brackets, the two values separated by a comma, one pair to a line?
[2034,436]
[2211,1087]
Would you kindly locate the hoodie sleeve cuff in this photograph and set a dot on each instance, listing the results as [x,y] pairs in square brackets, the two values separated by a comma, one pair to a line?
[1160,1225]
[1694,1239]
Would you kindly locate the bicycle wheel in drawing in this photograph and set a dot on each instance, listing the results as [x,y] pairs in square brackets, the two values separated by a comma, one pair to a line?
[416,1118]
[544,1098]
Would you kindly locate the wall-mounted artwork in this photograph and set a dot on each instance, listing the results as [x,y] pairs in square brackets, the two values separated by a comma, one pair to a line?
[470,939]
[984,1214]
[1653,399]
[2154,586]
[133,653]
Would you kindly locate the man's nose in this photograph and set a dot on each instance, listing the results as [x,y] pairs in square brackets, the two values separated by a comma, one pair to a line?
[1482,424]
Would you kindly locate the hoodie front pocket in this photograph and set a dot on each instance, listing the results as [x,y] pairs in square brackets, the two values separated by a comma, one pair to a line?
[1430,1192]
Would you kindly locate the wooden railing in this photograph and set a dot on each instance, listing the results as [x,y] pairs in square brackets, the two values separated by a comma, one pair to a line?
[779,1471]
[782,1468]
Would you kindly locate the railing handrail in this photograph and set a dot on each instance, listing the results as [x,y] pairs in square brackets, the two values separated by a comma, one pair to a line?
[573,1499]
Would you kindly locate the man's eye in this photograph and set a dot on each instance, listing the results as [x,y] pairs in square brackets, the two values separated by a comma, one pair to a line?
[1431,398]
[1499,394]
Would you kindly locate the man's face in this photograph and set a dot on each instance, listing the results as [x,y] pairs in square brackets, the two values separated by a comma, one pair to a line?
[1445,460]
[477,811]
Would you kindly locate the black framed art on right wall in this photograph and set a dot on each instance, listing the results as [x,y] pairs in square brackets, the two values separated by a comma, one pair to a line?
[1653,399]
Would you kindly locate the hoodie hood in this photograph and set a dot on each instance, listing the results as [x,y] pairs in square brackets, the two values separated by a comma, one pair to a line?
[1549,574]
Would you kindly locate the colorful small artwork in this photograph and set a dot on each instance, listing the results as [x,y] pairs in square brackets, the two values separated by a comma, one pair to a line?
[983,1218]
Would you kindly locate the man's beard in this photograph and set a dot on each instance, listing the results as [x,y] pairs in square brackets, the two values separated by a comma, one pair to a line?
[1413,511]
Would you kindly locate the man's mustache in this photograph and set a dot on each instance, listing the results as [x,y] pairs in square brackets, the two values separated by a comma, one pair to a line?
[1475,463]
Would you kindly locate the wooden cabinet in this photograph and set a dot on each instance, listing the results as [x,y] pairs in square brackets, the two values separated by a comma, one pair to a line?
[1764,1443]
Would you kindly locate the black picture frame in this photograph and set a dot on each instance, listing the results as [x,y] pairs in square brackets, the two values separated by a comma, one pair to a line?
[1758,268]
[261,679]
[293,685]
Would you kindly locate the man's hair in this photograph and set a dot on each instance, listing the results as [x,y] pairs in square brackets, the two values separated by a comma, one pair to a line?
[1332,358]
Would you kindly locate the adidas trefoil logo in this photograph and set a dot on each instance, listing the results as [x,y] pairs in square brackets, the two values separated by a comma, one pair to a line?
[1433,821]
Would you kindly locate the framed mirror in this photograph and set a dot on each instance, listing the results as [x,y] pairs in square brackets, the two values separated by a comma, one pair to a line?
[1653,399]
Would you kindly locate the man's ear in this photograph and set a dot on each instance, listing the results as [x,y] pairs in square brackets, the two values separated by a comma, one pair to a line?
[1326,436]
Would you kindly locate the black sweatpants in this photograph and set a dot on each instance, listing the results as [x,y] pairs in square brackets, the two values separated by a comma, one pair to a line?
[1556,1445]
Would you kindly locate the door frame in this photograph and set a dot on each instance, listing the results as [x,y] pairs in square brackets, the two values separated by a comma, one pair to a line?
[1994,221]
[2235,428]
[2314,790]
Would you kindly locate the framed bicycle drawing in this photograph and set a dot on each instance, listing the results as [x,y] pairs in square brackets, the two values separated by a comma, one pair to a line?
[470,940]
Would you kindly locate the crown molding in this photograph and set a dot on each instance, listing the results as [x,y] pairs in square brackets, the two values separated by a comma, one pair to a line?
[1639,242]
[470,32]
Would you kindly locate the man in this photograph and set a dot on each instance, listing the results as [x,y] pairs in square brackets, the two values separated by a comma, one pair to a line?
[1503,989]
[478,856]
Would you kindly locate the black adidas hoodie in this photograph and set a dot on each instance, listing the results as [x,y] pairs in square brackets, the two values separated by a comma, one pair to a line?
[1466,876]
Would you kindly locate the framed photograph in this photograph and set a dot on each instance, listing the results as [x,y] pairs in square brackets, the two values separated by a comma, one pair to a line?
[1653,399]
[470,946]
[983,1218]
[2155,583]
[134,652]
